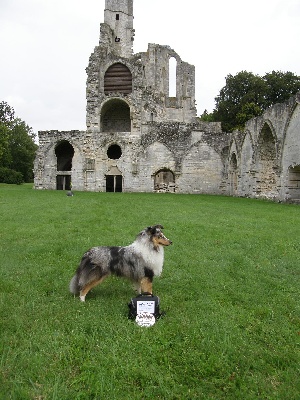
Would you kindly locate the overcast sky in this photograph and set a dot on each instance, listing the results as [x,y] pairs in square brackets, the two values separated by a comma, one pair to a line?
[46,44]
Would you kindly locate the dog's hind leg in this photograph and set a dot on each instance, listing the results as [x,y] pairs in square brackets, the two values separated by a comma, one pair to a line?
[89,286]
[146,285]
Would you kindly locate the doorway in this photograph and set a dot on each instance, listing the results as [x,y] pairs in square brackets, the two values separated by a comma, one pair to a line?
[63,182]
[114,183]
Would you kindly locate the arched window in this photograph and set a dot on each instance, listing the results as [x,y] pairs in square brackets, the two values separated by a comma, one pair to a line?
[172,76]
[64,153]
[118,78]
[115,116]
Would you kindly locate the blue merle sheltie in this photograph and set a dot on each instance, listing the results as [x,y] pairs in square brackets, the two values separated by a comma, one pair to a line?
[140,262]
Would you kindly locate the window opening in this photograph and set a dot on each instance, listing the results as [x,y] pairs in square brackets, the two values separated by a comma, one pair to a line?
[172,76]
[117,17]
[114,152]
[64,152]
[118,78]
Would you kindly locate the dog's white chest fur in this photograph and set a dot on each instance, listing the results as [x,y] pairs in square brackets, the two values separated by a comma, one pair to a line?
[153,258]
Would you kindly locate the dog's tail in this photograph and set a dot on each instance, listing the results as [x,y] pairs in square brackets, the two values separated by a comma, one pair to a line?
[74,285]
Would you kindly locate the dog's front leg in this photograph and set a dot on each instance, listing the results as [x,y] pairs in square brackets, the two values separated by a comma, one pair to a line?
[137,287]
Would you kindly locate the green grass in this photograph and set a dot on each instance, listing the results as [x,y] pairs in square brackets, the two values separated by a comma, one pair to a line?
[230,289]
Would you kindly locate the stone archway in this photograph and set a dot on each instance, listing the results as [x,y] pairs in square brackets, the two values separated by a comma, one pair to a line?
[266,185]
[164,181]
[115,116]
[233,176]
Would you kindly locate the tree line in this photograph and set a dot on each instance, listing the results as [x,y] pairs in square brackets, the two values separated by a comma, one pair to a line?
[246,95]
[17,147]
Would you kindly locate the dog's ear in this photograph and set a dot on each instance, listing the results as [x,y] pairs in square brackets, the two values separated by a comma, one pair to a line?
[159,227]
[152,229]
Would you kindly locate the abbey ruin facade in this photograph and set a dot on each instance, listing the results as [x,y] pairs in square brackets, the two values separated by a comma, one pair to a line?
[140,139]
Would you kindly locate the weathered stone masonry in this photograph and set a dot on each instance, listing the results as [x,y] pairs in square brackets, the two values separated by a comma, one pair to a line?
[139,139]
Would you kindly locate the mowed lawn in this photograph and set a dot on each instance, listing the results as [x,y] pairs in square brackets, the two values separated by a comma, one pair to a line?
[230,289]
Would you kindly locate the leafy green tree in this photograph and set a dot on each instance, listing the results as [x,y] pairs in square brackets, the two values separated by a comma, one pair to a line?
[248,111]
[235,98]
[246,95]
[280,86]
[17,146]
[7,113]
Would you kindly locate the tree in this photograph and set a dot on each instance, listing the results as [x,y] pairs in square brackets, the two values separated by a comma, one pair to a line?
[236,97]
[246,95]
[17,146]
[7,113]
[280,86]
[205,116]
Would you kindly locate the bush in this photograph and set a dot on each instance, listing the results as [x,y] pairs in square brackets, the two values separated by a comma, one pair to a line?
[10,176]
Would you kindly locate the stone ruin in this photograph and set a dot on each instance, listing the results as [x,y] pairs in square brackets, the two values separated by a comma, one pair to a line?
[139,138]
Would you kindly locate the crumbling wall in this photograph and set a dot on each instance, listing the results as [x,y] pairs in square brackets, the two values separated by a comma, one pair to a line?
[267,150]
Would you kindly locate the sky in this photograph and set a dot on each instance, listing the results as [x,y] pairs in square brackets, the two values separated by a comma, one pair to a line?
[46,45]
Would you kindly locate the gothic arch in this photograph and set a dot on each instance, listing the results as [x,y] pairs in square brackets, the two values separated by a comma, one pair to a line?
[115,116]
[154,158]
[246,166]
[233,174]
[64,152]
[290,161]
[266,163]
[164,180]
[201,170]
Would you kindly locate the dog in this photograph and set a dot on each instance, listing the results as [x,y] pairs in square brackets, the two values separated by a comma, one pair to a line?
[139,261]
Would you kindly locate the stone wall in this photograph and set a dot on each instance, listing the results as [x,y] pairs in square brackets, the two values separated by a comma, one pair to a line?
[267,152]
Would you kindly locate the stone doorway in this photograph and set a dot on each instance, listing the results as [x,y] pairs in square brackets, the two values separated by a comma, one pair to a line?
[164,181]
[63,182]
[114,180]
[64,152]
[114,183]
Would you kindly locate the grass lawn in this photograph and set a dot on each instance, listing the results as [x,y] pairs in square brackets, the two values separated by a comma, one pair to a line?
[230,288]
